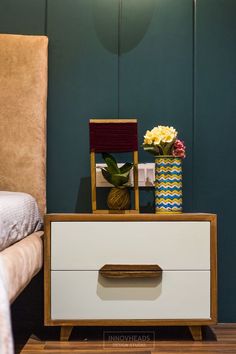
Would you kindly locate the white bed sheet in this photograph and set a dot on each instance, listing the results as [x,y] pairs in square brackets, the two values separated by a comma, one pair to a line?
[19,217]
[19,263]
[6,339]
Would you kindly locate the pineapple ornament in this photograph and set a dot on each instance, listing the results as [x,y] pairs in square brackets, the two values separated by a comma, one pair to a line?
[119,195]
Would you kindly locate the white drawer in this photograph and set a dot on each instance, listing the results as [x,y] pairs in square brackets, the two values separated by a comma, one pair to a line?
[79,295]
[89,245]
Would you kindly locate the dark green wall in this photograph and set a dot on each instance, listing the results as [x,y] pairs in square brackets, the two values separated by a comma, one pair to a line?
[214,140]
[176,66]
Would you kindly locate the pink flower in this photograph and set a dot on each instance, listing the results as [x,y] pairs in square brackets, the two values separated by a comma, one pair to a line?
[179,149]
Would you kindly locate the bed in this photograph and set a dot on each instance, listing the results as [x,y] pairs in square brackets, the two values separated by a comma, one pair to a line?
[23,98]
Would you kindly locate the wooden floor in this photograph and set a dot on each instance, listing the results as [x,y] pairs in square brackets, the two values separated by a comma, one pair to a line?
[224,344]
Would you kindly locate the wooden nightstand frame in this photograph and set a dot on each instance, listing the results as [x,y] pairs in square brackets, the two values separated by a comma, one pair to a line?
[67,325]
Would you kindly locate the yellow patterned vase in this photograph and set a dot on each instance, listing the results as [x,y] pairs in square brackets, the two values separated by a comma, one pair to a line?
[168,184]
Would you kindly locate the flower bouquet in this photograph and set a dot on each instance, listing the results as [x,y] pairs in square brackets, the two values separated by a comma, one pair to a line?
[162,140]
[169,151]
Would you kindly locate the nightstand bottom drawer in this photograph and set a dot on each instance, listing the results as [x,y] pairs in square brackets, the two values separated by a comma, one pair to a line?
[87,295]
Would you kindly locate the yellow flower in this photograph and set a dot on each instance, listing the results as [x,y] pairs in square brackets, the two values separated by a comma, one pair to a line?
[148,138]
[156,136]
[168,134]
[160,134]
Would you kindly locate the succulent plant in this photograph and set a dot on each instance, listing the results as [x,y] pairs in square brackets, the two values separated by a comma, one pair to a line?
[117,176]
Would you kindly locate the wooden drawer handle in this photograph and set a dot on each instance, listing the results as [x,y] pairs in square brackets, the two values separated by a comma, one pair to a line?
[117,271]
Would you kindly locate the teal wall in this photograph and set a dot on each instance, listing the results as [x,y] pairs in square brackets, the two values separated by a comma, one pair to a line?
[176,66]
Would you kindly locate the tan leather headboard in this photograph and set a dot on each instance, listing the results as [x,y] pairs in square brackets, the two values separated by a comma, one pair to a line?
[23,99]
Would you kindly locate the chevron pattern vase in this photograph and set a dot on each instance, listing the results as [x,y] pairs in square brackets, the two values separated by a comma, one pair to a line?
[168,184]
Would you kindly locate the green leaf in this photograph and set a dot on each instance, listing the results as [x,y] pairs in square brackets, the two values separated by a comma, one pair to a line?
[106,155]
[119,180]
[126,167]
[112,173]
[167,148]
[106,175]
[125,174]
[111,163]
[152,150]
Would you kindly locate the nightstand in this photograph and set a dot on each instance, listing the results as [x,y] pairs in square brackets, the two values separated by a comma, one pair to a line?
[130,270]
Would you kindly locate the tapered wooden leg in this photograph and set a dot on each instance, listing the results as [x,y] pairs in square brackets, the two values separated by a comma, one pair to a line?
[196,332]
[65,332]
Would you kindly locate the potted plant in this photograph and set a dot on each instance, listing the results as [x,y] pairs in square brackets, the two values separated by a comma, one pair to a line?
[119,195]
[163,143]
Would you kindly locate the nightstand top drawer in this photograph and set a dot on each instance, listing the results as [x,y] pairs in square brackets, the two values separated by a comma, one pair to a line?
[89,245]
